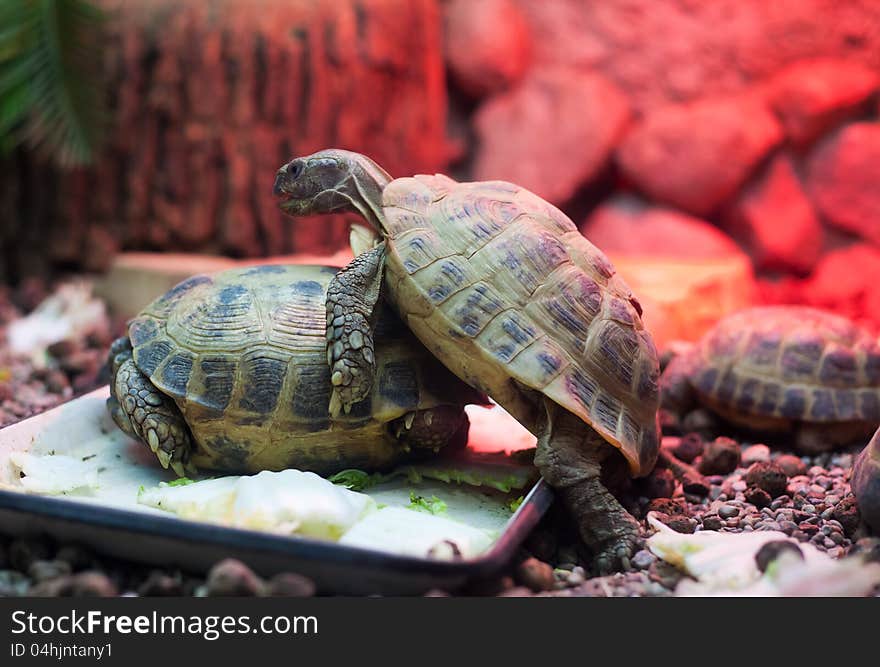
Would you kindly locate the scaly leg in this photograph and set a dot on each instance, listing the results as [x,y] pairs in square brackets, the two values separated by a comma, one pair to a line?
[443,427]
[351,301]
[144,412]
[570,456]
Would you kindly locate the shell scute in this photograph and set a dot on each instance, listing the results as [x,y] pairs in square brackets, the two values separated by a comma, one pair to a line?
[845,401]
[794,403]
[823,405]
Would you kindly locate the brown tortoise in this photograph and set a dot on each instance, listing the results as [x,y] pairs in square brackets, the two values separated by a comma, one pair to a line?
[783,369]
[505,291]
[229,371]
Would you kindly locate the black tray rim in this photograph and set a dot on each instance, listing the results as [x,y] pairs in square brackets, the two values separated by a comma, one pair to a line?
[533,507]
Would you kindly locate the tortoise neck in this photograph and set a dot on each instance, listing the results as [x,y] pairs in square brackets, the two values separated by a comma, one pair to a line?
[367,181]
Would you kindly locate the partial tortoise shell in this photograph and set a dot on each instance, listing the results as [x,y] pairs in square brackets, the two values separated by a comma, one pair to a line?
[248,346]
[505,290]
[791,363]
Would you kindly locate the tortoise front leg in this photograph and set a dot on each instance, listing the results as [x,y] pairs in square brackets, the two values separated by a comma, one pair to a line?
[144,412]
[352,297]
[570,456]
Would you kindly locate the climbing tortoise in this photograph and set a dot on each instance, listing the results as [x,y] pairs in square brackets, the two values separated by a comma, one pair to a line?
[505,291]
[800,371]
[229,372]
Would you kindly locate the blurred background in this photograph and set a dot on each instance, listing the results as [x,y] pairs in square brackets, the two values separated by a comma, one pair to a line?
[722,153]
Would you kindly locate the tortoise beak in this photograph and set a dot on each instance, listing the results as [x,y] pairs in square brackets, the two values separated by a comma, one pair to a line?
[278,186]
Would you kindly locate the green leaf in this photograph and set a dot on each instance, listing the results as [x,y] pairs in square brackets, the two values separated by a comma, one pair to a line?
[513,505]
[432,505]
[356,480]
[181,481]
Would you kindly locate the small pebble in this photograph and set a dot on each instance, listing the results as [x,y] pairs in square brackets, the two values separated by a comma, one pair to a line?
[681,524]
[808,528]
[88,584]
[41,570]
[728,511]
[232,578]
[535,574]
[767,476]
[788,527]
[13,584]
[160,584]
[291,585]
[791,465]
[773,550]
[720,457]
[754,454]
[689,447]
[712,523]
[576,578]
[846,512]
[642,559]
[758,497]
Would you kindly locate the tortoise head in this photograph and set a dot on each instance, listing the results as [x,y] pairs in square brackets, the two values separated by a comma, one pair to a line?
[329,181]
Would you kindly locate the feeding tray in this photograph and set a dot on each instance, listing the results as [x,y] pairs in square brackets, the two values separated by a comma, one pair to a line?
[108,517]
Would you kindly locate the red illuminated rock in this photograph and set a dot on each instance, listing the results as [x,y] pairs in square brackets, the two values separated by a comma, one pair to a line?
[843,176]
[812,95]
[775,220]
[680,50]
[552,133]
[629,226]
[487,45]
[848,282]
[696,156]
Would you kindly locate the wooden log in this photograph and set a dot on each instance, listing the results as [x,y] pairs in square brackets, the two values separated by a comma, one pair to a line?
[209,99]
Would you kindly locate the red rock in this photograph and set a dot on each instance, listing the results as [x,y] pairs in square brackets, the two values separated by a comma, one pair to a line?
[487,45]
[843,176]
[775,220]
[552,133]
[676,51]
[847,281]
[812,95]
[627,225]
[696,156]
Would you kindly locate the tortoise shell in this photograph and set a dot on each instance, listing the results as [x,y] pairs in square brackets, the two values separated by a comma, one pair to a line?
[502,287]
[243,354]
[789,363]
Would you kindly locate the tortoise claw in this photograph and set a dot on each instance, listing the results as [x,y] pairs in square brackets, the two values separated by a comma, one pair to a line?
[164,458]
[177,467]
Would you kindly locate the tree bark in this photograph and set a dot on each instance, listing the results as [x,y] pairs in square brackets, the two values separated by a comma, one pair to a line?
[208,99]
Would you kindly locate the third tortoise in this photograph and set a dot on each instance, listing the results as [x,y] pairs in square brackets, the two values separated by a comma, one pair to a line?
[789,369]
[502,287]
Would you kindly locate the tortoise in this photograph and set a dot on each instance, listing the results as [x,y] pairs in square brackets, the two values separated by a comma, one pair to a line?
[228,371]
[865,482]
[801,371]
[502,287]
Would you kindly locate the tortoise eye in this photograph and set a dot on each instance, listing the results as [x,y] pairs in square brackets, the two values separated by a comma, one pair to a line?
[294,169]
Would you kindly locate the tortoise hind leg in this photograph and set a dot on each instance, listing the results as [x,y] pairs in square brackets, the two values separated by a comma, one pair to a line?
[443,427]
[570,457]
[145,413]
[352,297]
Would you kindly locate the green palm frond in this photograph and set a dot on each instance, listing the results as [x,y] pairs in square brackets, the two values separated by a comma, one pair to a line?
[50,92]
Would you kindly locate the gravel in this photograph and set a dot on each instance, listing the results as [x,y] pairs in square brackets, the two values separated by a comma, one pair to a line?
[732,486]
